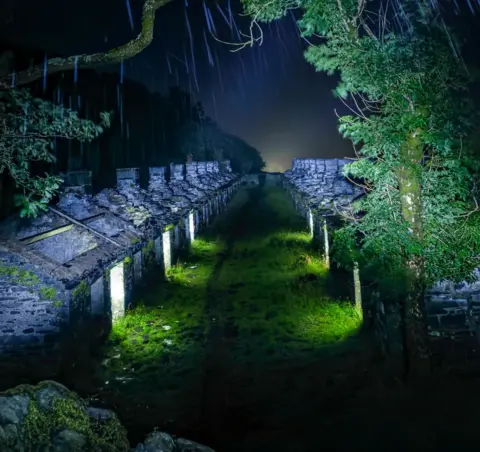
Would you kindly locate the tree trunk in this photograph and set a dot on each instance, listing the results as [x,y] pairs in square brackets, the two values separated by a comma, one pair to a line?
[415,332]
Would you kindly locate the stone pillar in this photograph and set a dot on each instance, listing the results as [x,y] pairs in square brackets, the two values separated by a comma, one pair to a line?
[177,172]
[310,222]
[77,182]
[167,249]
[191,170]
[177,239]
[198,220]
[190,226]
[97,297]
[157,177]
[117,291]
[357,288]
[326,246]
[210,166]
[157,244]
[127,177]
[206,216]
[137,267]
[202,168]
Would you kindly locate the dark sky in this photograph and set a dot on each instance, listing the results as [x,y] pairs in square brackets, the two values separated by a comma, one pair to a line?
[268,95]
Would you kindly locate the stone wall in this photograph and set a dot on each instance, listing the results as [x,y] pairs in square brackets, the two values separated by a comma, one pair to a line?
[317,187]
[321,184]
[86,254]
[454,309]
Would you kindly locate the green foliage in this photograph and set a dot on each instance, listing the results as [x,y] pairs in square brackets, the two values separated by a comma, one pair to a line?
[401,86]
[30,127]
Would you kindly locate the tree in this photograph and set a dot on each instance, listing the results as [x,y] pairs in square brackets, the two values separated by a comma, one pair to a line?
[112,56]
[411,122]
[29,128]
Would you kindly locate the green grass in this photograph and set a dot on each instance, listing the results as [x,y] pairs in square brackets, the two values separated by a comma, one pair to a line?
[275,283]
[254,271]
[154,355]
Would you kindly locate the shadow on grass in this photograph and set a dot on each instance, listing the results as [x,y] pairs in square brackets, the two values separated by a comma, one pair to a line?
[273,298]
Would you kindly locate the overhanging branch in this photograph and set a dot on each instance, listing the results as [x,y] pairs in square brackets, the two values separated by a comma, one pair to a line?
[124,52]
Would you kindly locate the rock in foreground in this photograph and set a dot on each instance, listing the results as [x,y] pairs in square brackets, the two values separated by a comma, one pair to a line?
[48,417]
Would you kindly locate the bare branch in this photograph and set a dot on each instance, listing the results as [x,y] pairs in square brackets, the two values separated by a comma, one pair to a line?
[124,52]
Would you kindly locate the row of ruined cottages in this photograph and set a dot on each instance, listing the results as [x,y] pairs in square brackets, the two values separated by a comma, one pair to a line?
[320,190]
[86,254]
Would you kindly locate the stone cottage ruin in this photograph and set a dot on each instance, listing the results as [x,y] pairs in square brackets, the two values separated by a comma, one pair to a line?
[318,189]
[85,255]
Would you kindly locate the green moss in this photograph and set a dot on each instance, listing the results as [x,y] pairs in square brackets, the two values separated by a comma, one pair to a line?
[36,429]
[134,241]
[169,227]
[68,412]
[18,275]
[148,253]
[149,247]
[48,293]
[127,261]
[82,290]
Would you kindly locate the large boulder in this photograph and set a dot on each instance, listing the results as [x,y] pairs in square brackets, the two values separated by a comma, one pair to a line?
[50,418]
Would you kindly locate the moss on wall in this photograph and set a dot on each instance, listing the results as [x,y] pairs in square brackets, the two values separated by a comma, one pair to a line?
[18,275]
[148,253]
[81,295]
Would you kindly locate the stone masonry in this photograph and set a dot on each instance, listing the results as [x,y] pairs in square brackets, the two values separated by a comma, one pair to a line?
[318,187]
[321,183]
[59,266]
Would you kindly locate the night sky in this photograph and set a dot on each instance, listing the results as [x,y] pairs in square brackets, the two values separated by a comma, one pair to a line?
[268,95]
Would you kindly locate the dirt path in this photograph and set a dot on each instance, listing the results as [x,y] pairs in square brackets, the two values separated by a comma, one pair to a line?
[219,423]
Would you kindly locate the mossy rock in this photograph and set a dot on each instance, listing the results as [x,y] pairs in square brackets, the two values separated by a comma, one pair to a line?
[49,417]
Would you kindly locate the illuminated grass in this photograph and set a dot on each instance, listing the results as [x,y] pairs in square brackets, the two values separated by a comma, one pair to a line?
[277,292]
[155,353]
[255,271]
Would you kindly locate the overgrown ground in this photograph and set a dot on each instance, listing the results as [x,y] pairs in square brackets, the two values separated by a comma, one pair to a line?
[251,297]
[252,346]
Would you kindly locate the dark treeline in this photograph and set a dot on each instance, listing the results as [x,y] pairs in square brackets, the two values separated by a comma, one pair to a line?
[147,129]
